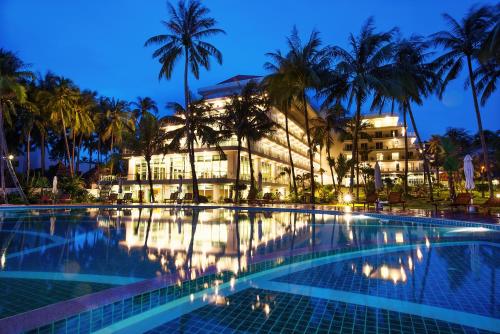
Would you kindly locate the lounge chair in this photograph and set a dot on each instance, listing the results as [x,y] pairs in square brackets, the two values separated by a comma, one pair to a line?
[394,198]
[493,202]
[172,199]
[188,197]
[45,199]
[65,199]
[462,199]
[112,198]
[371,199]
[228,200]
[267,198]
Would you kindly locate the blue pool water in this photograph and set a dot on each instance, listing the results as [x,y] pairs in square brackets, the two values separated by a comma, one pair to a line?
[167,270]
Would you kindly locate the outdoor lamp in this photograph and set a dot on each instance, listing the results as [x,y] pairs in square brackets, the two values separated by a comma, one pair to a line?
[347,198]
[11,157]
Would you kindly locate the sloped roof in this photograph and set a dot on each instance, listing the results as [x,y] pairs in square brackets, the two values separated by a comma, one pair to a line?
[239,77]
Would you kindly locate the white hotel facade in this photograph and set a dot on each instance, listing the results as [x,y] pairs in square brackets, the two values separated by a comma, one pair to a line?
[216,177]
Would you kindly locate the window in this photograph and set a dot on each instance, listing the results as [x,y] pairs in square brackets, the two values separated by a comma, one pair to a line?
[364,156]
[395,155]
[395,133]
[379,145]
[397,167]
[410,155]
[364,146]
[348,147]
[380,156]
[378,134]
[265,170]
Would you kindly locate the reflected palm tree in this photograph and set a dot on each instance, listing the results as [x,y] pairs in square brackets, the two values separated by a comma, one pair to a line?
[194,223]
[148,228]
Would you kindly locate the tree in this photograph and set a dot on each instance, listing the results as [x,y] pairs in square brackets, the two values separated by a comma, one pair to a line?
[246,117]
[463,43]
[142,106]
[188,27]
[363,66]
[305,66]
[196,127]
[341,166]
[148,139]
[436,152]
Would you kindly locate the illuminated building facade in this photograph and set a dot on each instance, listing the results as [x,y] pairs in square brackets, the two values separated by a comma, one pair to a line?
[382,140]
[216,176]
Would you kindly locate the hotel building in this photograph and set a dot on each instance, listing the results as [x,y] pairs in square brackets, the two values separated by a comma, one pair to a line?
[216,176]
[382,140]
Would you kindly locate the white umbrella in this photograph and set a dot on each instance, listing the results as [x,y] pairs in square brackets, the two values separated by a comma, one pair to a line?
[378,177]
[469,173]
[54,185]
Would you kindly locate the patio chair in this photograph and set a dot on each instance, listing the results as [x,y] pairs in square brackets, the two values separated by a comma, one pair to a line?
[112,198]
[462,199]
[267,198]
[188,197]
[65,199]
[45,199]
[394,198]
[172,199]
[371,199]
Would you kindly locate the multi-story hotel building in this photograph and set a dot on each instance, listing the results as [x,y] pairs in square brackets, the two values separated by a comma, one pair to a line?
[382,140]
[216,176]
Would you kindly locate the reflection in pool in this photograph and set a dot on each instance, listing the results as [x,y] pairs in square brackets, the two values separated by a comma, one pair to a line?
[49,256]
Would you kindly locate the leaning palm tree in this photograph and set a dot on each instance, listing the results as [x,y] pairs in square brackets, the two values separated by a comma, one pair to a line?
[305,66]
[187,28]
[189,128]
[363,67]
[463,44]
[13,75]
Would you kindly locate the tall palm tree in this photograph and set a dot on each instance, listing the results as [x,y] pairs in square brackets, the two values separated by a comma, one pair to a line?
[188,28]
[363,66]
[246,118]
[463,43]
[83,124]
[412,79]
[282,97]
[305,66]
[436,152]
[13,75]
[198,126]
[149,138]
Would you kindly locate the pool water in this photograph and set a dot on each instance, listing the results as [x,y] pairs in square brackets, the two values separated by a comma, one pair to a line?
[191,270]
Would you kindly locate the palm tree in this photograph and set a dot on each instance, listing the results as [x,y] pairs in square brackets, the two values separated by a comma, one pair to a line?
[149,138]
[342,166]
[412,79]
[463,43]
[363,66]
[436,152]
[61,101]
[281,96]
[305,66]
[83,124]
[13,75]
[143,105]
[118,121]
[187,28]
[190,128]
[246,117]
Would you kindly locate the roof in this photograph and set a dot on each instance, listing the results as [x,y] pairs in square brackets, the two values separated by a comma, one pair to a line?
[239,77]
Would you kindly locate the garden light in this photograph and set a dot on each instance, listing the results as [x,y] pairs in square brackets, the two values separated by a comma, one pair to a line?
[347,198]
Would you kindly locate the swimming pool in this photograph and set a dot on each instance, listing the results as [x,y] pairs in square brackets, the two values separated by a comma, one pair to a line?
[182,269]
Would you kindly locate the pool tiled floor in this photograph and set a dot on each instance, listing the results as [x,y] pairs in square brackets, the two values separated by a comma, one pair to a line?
[463,278]
[262,311]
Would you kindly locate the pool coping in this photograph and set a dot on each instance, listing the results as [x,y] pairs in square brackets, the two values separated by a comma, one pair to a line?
[69,308]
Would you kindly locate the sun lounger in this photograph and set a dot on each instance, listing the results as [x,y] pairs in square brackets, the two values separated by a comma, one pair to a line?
[127,198]
[65,199]
[371,199]
[394,198]
[493,202]
[462,199]
[45,199]
[172,199]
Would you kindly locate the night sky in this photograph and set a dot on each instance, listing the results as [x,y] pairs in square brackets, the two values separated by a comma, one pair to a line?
[99,43]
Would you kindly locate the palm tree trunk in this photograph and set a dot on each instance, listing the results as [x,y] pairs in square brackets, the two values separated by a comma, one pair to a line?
[66,142]
[329,157]
[405,180]
[150,179]
[2,157]
[252,192]
[311,153]
[423,153]
[80,141]
[292,168]
[194,178]
[237,180]
[480,126]
[355,145]
[28,155]
[73,150]
[42,152]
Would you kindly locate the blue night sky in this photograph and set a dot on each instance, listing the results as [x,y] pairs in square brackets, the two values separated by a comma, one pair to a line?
[99,43]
